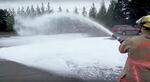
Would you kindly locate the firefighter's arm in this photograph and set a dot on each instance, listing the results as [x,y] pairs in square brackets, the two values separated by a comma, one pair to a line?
[124,46]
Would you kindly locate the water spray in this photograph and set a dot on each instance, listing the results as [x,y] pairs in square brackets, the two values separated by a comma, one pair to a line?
[57,23]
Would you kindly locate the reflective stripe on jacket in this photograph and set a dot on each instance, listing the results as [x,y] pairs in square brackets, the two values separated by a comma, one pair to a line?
[135,64]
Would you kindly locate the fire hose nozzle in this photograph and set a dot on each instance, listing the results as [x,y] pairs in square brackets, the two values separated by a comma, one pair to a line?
[120,39]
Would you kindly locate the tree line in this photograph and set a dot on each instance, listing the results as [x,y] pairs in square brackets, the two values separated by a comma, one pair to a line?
[118,13]
[40,10]
[7,15]
[122,12]
[6,21]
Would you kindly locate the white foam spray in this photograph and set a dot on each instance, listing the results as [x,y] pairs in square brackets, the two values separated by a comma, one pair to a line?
[55,23]
[84,57]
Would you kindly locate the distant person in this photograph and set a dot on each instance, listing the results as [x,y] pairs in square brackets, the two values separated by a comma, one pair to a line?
[137,67]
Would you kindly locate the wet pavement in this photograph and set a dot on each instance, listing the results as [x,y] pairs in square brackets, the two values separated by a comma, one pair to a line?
[15,72]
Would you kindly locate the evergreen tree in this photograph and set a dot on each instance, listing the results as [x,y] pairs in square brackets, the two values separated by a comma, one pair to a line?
[42,9]
[48,7]
[18,11]
[101,16]
[76,10]
[84,12]
[33,13]
[13,12]
[10,23]
[93,12]
[110,14]
[22,11]
[59,9]
[119,15]
[28,12]
[137,9]
[6,20]
[10,11]
[124,10]
[3,20]
[116,14]
[38,11]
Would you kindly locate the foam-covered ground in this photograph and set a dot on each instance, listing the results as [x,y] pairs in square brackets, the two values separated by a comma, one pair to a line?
[68,54]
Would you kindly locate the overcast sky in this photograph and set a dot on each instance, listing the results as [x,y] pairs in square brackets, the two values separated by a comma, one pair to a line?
[49,0]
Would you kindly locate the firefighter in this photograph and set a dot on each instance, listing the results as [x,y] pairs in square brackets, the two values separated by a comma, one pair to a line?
[137,67]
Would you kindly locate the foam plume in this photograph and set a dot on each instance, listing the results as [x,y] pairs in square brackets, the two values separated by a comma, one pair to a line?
[57,24]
